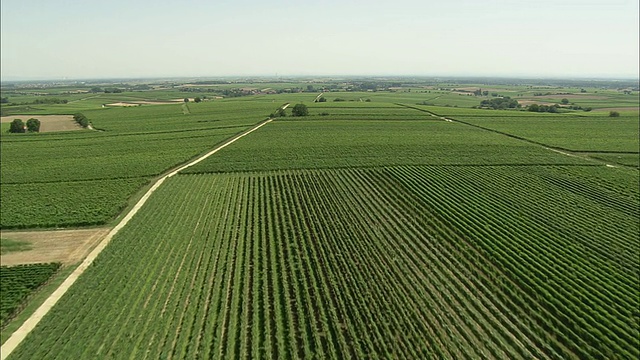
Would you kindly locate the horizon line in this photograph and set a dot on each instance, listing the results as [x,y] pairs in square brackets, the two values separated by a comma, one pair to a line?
[10,79]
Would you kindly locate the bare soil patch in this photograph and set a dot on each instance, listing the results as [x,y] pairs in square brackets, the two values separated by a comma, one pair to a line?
[628,108]
[579,96]
[145,102]
[572,96]
[474,88]
[65,246]
[529,102]
[48,123]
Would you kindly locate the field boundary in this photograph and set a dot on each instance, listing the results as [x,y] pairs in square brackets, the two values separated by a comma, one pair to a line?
[19,335]
[556,149]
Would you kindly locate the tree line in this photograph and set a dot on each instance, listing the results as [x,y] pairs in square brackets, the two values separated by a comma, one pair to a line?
[18,126]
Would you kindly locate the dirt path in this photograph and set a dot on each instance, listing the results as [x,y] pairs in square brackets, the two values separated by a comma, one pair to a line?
[566,153]
[19,335]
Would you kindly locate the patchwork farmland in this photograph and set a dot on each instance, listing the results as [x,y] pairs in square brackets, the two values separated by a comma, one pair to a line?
[382,229]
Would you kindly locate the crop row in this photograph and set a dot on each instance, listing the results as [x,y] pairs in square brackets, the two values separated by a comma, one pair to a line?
[402,262]
[317,144]
[18,282]
[103,157]
[574,133]
[574,257]
[59,204]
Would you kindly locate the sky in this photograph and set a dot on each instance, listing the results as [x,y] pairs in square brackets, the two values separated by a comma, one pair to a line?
[89,39]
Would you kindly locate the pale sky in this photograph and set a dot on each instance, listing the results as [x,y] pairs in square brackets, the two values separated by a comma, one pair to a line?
[55,39]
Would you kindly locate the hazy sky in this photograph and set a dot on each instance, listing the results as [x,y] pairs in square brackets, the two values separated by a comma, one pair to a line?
[46,39]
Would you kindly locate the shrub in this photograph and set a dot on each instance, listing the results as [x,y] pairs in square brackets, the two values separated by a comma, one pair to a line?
[300,110]
[33,125]
[81,119]
[17,126]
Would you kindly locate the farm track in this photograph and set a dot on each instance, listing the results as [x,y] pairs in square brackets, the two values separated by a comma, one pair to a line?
[334,263]
[19,335]
[559,150]
[406,261]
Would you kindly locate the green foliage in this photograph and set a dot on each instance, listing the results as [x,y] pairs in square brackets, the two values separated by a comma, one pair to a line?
[336,248]
[17,126]
[4,100]
[278,113]
[329,143]
[81,120]
[543,108]
[500,103]
[33,125]
[526,252]
[82,178]
[573,133]
[50,101]
[614,114]
[300,110]
[9,245]
[61,204]
[18,282]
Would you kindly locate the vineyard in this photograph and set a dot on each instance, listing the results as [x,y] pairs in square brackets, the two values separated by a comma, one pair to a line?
[86,178]
[18,282]
[517,262]
[420,140]
[386,224]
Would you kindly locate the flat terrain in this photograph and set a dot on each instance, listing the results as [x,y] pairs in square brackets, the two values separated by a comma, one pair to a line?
[48,123]
[389,223]
[137,103]
[64,246]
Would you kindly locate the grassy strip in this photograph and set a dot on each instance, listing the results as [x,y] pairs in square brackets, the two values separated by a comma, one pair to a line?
[10,245]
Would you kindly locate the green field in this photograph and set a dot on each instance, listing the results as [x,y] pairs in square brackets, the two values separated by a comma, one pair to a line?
[320,143]
[369,229]
[590,134]
[86,177]
[329,263]
[18,283]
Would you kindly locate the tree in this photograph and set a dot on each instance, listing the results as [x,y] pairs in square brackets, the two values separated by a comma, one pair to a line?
[614,114]
[564,101]
[4,100]
[17,126]
[300,110]
[81,119]
[186,100]
[500,103]
[278,113]
[197,99]
[33,125]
